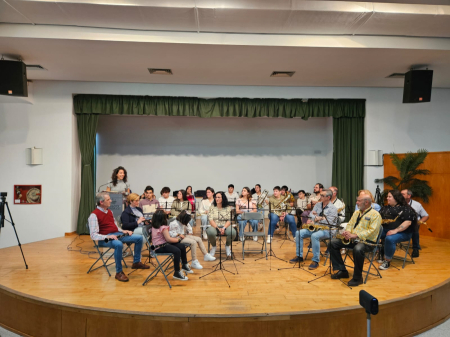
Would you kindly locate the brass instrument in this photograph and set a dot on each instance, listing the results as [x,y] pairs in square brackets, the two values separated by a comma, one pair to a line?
[386,221]
[348,241]
[342,208]
[424,223]
[262,198]
[281,206]
[313,227]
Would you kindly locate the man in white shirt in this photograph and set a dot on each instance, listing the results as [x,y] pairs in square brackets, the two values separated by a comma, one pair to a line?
[231,195]
[422,216]
[338,204]
[166,200]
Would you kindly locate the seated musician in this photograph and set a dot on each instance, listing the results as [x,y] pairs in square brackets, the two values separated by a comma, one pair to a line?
[375,206]
[163,243]
[231,195]
[279,214]
[149,204]
[399,221]
[324,213]
[246,204]
[181,228]
[219,217]
[166,200]
[203,209]
[313,199]
[365,225]
[338,204]
[260,203]
[132,217]
[181,203]
[102,225]
[285,191]
[302,203]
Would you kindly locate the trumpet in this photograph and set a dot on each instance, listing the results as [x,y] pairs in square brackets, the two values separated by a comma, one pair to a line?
[261,198]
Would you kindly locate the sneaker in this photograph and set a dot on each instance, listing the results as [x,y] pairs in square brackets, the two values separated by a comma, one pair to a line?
[212,252]
[268,239]
[296,259]
[241,238]
[209,257]
[187,269]
[205,237]
[385,265]
[343,251]
[178,275]
[415,253]
[255,238]
[380,260]
[196,265]
[313,265]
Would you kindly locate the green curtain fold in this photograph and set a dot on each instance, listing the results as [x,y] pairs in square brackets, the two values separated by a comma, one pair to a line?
[87,130]
[348,159]
[348,130]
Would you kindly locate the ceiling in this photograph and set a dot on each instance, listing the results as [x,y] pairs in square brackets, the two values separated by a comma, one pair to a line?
[240,42]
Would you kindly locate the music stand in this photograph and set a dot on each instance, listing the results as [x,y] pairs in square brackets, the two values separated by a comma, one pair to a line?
[285,237]
[271,253]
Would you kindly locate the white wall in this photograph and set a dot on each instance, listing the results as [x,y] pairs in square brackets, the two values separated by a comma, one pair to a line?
[181,151]
[49,123]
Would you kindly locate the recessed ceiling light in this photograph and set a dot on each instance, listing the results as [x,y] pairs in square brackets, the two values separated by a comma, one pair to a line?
[282,74]
[155,71]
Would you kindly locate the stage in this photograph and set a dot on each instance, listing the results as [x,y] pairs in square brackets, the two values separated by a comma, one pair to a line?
[56,297]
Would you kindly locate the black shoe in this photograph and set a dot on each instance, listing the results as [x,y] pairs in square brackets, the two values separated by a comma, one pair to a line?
[340,274]
[296,259]
[313,265]
[355,283]
[187,269]
[415,253]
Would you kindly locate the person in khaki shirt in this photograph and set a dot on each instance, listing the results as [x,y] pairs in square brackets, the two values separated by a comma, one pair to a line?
[365,225]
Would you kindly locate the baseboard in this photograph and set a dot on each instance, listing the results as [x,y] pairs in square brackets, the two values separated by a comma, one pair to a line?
[70,233]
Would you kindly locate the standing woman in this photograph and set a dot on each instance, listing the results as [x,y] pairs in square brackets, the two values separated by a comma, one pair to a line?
[119,181]
[399,221]
[246,204]
[163,243]
[220,221]
[203,209]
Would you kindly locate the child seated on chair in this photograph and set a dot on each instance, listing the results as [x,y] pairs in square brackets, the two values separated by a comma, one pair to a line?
[163,243]
[182,229]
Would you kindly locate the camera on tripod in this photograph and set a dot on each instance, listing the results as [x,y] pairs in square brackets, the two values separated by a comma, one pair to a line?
[2,208]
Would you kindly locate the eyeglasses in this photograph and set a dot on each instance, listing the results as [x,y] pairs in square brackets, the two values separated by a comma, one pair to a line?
[323,195]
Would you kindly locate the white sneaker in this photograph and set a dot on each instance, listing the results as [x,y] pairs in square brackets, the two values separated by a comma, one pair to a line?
[209,257]
[212,252]
[205,237]
[196,265]
[228,250]
[241,238]
[255,238]
[268,238]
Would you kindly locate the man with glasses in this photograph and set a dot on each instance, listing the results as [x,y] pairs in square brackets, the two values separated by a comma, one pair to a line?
[324,213]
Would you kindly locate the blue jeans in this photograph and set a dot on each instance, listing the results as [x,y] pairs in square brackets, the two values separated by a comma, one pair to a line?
[415,240]
[118,247]
[289,219]
[205,221]
[391,241]
[315,242]
[242,223]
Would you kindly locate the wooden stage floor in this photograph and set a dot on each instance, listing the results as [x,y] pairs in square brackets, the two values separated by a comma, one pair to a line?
[57,277]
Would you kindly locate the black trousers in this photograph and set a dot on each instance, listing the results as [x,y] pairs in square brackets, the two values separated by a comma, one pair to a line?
[179,252]
[359,251]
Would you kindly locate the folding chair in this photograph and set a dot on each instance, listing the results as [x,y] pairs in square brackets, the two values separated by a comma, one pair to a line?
[370,256]
[102,255]
[404,246]
[327,255]
[162,266]
[254,216]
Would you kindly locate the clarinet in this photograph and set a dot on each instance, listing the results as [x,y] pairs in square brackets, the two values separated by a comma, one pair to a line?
[118,237]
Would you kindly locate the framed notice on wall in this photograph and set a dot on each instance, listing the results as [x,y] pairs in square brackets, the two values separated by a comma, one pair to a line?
[27,194]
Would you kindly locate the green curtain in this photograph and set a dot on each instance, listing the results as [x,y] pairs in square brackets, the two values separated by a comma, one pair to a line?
[87,129]
[348,130]
[348,159]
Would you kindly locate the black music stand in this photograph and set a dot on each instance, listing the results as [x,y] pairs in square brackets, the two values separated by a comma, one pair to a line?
[219,266]
[285,236]
[271,253]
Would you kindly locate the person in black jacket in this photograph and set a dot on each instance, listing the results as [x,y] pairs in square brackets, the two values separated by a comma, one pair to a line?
[132,217]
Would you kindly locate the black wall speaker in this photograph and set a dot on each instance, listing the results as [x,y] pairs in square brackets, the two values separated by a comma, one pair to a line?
[417,87]
[13,78]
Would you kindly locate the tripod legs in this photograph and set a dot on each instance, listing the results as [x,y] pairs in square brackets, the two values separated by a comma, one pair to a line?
[15,232]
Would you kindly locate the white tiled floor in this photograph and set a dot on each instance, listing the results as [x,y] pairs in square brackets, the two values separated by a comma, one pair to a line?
[442,330]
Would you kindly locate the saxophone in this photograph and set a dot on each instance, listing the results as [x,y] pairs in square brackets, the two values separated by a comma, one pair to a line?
[313,227]
[261,198]
[281,206]
[348,241]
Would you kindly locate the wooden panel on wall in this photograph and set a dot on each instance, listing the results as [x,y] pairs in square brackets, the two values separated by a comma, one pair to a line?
[439,165]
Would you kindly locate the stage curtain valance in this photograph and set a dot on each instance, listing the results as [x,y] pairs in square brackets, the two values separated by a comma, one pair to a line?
[348,130]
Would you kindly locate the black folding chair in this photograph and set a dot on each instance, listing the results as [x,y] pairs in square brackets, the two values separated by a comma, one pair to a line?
[370,256]
[102,255]
[404,246]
